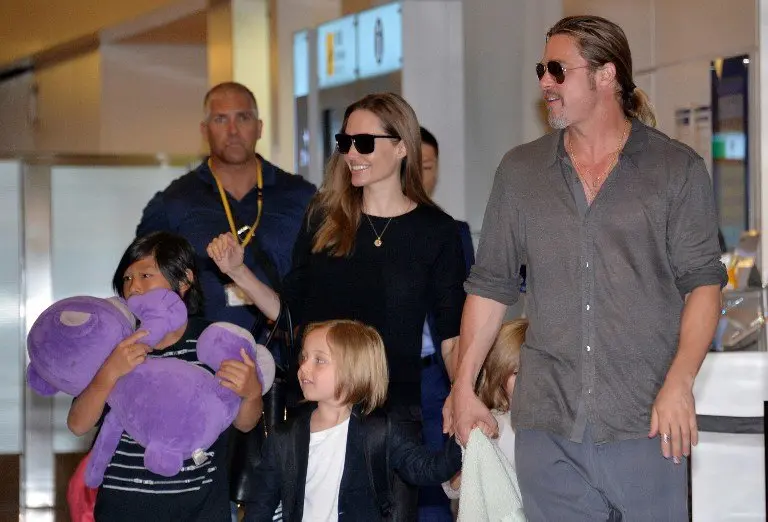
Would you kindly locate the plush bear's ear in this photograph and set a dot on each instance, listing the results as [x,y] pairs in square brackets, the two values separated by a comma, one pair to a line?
[38,384]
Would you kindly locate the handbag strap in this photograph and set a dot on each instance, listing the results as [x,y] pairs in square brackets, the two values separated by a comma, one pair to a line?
[286,348]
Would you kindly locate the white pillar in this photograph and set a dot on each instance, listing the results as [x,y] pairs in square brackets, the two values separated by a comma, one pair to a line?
[251,59]
[760,157]
[239,50]
[433,83]
[502,42]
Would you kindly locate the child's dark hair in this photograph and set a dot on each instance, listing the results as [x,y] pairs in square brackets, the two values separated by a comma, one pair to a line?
[174,256]
[427,138]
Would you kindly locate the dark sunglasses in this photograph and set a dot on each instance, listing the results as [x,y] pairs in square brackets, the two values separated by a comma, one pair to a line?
[556,69]
[364,143]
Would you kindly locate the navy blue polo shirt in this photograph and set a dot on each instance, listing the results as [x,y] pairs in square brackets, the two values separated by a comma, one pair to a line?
[191,207]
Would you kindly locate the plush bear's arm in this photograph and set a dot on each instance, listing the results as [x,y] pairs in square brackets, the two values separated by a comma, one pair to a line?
[103,449]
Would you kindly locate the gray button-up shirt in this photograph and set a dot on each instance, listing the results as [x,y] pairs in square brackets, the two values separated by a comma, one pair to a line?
[605,282]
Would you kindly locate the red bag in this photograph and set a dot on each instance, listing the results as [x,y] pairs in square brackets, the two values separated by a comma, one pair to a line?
[81,498]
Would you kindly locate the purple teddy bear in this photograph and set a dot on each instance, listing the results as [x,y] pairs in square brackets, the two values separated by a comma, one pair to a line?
[173,408]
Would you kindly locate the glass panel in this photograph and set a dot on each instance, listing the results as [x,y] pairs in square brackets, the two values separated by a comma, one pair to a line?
[94,215]
[730,155]
[12,357]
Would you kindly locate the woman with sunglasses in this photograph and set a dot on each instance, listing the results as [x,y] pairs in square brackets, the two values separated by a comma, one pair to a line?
[374,248]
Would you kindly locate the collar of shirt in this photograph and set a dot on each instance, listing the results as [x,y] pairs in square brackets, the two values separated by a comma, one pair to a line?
[637,142]
[268,172]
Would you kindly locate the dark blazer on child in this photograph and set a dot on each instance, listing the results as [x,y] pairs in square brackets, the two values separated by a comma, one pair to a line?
[282,472]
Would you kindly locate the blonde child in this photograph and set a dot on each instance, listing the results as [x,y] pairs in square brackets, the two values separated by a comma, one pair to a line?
[336,461]
[495,386]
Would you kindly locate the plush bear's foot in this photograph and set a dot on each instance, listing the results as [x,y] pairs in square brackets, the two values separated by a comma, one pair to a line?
[162,460]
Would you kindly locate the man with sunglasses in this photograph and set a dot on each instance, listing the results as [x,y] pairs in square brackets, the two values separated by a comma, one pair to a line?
[617,225]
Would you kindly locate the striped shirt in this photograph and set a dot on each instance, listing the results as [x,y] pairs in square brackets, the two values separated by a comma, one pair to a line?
[195,490]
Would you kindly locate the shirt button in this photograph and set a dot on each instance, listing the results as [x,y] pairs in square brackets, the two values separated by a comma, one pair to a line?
[589,390]
[587,307]
[587,264]
[589,348]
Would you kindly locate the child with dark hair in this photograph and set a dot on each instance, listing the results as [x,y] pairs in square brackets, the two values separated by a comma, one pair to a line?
[173,257]
[130,492]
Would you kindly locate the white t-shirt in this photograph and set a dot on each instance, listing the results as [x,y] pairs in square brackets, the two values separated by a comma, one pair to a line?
[327,452]
[506,440]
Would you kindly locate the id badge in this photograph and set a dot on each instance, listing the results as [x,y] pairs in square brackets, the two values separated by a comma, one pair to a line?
[236,296]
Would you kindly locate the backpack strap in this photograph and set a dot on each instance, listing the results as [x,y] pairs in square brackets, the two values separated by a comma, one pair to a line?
[377,461]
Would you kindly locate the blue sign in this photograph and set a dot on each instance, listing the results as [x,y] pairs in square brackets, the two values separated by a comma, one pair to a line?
[337,52]
[300,64]
[380,40]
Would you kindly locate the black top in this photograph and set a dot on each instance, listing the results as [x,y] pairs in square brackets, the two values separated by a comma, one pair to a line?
[418,268]
[283,469]
[130,492]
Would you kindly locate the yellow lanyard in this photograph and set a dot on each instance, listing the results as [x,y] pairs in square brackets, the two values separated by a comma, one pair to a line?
[228,211]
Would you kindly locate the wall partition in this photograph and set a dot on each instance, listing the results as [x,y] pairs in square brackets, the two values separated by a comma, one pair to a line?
[65,222]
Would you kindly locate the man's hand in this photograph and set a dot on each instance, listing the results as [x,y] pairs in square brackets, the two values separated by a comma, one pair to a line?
[240,377]
[673,416]
[226,252]
[463,411]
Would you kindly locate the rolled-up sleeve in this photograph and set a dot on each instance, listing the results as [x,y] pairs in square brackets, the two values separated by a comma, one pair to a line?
[495,274]
[692,243]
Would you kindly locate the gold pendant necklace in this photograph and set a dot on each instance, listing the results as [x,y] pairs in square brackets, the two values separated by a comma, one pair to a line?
[596,183]
[377,242]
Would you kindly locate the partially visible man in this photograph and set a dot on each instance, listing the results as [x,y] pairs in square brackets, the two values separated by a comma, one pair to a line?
[617,225]
[236,190]
[434,506]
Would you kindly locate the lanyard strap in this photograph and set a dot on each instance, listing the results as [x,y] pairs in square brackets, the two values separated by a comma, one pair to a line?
[228,211]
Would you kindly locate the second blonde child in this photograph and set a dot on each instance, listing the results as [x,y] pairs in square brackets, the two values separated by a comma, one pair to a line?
[495,386]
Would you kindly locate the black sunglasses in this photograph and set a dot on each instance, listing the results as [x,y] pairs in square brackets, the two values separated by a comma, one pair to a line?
[364,143]
[556,69]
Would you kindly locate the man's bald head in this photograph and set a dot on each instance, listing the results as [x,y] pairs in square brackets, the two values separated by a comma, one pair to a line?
[225,88]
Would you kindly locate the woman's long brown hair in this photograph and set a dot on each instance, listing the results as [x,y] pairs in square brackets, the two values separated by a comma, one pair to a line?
[339,203]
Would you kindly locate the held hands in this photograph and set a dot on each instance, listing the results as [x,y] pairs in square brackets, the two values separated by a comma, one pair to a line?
[674,417]
[240,377]
[128,354]
[226,252]
[463,411]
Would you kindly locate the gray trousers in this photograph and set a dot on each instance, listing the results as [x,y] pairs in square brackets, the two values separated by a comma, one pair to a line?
[627,481]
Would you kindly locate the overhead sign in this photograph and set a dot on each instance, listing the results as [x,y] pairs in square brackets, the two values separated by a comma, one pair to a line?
[300,64]
[380,40]
[337,52]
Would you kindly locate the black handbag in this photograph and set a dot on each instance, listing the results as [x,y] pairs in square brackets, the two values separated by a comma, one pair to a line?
[245,448]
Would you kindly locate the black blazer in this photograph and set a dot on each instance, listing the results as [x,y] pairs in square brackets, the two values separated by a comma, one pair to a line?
[282,473]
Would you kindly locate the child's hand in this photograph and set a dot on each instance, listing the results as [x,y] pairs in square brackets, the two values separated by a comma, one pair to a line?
[240,377]
[126,356]
[456,481]
[226,252]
